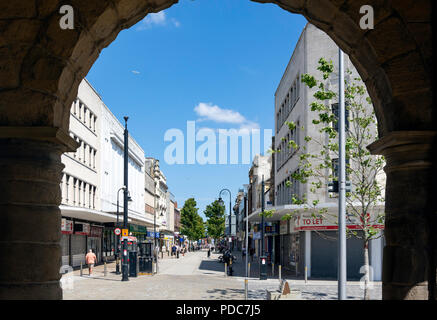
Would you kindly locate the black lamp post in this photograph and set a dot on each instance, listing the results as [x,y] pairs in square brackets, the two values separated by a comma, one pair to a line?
[230,206]
[117,264]
[124,267]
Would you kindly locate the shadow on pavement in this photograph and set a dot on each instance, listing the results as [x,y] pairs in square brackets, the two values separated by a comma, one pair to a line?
[239,268]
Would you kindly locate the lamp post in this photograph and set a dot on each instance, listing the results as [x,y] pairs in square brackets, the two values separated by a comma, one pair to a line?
[124,267]
[342,184]
[117,265]
[230,207]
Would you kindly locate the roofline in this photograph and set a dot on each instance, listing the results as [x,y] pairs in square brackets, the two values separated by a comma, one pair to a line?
[292,56]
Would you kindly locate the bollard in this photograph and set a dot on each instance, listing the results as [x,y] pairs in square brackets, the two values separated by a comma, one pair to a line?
[280,273]
[105,272]
[306,274]
[273,269]
[246,288]
[153,268]
[248,270]
[226,269]
[81,271]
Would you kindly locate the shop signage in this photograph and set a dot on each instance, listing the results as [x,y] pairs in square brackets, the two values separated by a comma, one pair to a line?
[137,228]
[82,228]
[96,232]
[150,234]
[270,229]
[66,226]
[310,223]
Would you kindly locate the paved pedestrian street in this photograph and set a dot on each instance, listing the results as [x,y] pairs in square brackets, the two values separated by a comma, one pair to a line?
[195,277]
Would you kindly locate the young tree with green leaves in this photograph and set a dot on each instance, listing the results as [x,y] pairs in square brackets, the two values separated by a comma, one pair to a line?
[192,224]
[318,158]
[215,223]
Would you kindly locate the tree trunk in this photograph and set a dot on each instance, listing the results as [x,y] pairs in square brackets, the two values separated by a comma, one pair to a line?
[366,271]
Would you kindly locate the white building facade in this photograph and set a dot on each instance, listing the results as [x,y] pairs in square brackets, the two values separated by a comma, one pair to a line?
[82,219]
[92,183]
[307,246]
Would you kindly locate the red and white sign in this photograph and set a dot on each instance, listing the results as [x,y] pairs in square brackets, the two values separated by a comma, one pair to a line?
[82,228]
[66,226]
[117,231]
[305,223]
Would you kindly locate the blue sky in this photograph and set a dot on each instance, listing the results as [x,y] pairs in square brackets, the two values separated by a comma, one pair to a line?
[216,62]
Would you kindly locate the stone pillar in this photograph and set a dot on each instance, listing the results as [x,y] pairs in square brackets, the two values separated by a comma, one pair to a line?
[410,224]
[30,194]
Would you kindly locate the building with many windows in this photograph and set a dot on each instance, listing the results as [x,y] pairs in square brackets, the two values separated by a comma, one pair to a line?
[82,218]
[93,180]
[291,243]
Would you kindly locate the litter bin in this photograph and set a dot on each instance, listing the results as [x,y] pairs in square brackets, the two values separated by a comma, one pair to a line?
[263,268]
[133,264]
[145,258]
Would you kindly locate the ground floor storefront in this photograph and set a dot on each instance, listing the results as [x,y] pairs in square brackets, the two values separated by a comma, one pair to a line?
[78,237]
[309,247]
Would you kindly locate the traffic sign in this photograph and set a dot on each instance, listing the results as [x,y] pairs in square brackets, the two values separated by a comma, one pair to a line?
[125,232]
[117,231]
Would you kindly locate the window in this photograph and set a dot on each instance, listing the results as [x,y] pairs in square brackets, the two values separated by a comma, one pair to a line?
[74,190]
[67,179]
[335,111]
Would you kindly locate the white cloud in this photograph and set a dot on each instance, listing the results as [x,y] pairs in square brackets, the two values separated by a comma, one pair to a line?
[210,112]
[214,113]
[135,72]
[157,19]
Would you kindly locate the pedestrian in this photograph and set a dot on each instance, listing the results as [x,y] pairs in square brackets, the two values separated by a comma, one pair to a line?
[252,251]
[90,259]
[243,252]
[178,249]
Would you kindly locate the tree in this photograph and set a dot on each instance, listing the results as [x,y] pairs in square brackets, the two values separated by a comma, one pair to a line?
[192,224]
[215,223]
[318,158]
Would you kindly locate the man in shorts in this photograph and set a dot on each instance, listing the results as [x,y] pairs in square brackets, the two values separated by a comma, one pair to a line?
[90,259]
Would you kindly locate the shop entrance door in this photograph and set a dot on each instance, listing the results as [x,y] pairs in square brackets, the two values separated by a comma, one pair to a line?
[96,245]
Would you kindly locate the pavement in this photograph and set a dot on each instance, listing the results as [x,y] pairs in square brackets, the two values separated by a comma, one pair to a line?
[197,277]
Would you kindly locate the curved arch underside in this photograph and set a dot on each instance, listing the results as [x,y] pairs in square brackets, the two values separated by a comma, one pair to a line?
[44,64]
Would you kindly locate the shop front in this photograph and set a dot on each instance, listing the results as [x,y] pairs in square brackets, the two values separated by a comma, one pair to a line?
[139,232]
[94,241]
[66,231]
[270,233]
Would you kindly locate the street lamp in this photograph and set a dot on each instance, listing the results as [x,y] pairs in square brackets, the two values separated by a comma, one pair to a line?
[125,266]
[230,206]
[117,265]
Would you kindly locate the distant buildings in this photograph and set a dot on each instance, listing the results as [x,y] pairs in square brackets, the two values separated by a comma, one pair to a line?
[92,185]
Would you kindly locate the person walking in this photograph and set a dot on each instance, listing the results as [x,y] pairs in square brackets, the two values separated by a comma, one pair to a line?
[177,251]
[90,259]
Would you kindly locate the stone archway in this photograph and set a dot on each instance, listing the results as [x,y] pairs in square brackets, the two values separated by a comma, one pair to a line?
[42,65]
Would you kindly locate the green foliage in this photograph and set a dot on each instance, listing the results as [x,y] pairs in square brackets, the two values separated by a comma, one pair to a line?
[192,224]
[215,224]
[316,167]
